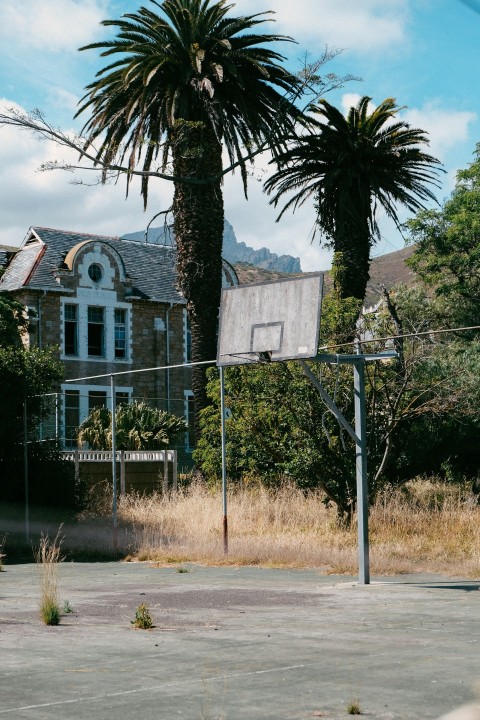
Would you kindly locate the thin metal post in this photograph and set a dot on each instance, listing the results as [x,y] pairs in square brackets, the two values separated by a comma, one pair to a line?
[361,470]
[122,472]
[165,473]
[56,417]
[114,453]
[25,470]
[174,471]
[224,462]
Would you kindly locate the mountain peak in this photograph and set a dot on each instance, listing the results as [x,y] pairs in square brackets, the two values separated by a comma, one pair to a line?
[233,251]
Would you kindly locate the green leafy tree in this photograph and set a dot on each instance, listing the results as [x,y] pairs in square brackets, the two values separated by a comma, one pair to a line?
[186,82]
[447,248]
[138,427]
[280,430]
[422,412]
[28,376]
[353,166]
[13,321]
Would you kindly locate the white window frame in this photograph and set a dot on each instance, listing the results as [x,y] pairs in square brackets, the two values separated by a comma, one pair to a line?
[106,300]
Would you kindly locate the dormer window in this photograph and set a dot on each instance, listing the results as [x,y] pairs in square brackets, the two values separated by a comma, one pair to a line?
[95,272]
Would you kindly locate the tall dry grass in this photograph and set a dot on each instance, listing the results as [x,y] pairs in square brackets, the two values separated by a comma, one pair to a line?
[427,527]
[48,556]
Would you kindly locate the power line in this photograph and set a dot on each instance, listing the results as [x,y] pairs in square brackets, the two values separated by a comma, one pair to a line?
[406,335]
[324,347]
[141,370]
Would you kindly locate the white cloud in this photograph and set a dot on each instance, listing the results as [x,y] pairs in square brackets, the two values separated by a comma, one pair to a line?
[30,197]
[366,26]
[446,127]
[254,221]
[50,25]
[62,100]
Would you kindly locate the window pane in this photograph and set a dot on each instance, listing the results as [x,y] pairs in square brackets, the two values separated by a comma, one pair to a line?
[95,340]
[120,342]
[72,417]
[70,330]
[120,333]
[120,316]
[70,312]
[95,314]
[96,331]
[71,344]
[121,398]
[96,398]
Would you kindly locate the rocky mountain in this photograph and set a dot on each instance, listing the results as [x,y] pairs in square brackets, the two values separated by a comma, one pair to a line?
[233,250]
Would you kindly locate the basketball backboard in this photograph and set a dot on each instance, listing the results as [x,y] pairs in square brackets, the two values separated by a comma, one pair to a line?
[268,322]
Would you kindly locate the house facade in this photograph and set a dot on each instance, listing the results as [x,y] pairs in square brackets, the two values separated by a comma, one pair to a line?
[109,305]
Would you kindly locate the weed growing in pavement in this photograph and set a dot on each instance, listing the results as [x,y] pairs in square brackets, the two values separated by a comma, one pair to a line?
[67,608]
[143,619]
[48,557]
[353,707]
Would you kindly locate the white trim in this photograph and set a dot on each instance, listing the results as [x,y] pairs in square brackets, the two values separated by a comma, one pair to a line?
[96,298]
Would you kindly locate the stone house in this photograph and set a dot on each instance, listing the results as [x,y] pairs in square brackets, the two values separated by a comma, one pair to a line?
[109,305]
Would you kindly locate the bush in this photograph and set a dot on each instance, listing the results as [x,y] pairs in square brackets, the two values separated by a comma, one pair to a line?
[51,479]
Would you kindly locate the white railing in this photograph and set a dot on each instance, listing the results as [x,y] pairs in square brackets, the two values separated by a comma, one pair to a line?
[128,455]
[124,456]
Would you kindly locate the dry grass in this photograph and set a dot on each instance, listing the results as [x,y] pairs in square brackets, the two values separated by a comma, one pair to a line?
[424,528]
[47,557]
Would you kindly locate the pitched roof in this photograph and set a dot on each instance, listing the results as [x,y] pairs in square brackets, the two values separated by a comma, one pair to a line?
[42,254]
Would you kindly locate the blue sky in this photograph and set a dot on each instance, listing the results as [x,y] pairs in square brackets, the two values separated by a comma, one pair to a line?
[424,53]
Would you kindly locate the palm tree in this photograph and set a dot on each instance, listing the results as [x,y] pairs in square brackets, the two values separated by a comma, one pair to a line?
[138,426]
[186,83]
[352,166]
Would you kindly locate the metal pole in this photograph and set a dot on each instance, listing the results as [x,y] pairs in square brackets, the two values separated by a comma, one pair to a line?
[224,462]
[114,453]
[56,417]
[361,465]
[25,470]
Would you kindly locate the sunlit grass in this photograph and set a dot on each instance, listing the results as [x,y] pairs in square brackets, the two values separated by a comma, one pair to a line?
[428,527]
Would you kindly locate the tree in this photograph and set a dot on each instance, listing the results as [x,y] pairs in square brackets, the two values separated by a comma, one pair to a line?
[28,376]
[422,412]
[352,166]
[138,427]
[185,83]
[13,321]
[447,248]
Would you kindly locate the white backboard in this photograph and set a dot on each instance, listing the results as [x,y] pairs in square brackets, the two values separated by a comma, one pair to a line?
[270,321]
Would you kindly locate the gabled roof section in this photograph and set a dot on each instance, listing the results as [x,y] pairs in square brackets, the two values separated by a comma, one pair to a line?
[23,263]
[151,268]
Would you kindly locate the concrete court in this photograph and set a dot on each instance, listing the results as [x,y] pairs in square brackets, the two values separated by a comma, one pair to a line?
[233,643]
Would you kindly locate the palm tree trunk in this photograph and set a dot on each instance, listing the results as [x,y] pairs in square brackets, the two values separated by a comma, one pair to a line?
[351,260]
[198,221]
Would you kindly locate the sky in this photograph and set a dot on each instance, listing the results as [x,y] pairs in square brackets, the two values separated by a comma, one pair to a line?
[423,53]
